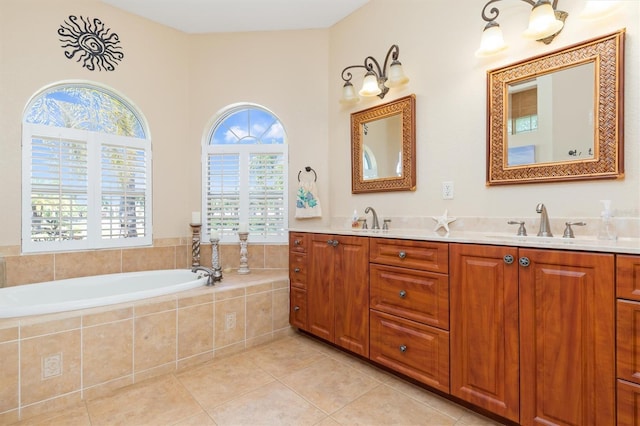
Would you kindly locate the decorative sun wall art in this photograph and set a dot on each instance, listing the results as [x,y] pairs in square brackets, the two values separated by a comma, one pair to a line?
[88,38]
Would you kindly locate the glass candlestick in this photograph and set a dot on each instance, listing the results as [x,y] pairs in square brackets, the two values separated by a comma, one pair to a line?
[195,244]
[215,260]
[244,254]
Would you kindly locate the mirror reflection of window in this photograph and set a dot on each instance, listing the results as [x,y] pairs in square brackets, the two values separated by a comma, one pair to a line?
[369,163]
[523,109]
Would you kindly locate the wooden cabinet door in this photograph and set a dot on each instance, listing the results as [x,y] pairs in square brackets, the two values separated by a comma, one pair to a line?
[320,286]
[351,294]
[628,404]
[628,277]
[298,308]
[567,338]
[628,340]
[484,327]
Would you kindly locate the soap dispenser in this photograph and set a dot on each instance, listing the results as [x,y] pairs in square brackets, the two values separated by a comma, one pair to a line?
[607,229]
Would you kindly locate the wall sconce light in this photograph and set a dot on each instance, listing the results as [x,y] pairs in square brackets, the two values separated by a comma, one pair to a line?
[376,81]
[545,22]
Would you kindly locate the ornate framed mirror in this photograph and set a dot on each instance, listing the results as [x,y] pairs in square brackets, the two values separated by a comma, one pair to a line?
[558,116]
[383,147]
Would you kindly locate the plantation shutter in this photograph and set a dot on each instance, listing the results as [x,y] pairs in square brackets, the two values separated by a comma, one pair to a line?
[223,193]
[267,204]
[124,181]
[59,191]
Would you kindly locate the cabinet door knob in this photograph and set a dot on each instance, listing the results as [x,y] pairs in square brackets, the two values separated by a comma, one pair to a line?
[524,261]
[296,242]
[335,243]
[403,348]
[508,259]
[296,270]
[329,242]
[403,294]
[296,308]
[402,255]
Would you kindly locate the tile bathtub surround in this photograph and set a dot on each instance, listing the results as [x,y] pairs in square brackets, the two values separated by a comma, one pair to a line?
[54,361]
[170,253]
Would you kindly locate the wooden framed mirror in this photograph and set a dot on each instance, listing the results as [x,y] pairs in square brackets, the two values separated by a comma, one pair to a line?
[383,147]
[558,116]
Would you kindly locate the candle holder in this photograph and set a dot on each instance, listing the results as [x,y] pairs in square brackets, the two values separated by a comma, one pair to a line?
[244,254]
[215,261]
[195,244]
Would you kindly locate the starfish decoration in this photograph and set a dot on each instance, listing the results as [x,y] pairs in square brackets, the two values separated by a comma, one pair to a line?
[443,221]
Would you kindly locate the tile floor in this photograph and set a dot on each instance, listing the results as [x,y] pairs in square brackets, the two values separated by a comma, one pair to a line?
[292,381]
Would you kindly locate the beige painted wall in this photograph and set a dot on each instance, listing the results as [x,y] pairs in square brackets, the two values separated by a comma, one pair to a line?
[180,81]
[437,40]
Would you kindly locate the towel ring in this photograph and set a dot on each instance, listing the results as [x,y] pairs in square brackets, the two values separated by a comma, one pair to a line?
[309,169]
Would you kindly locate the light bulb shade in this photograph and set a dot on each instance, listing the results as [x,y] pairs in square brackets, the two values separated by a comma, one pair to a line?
[595,9]
[492,40]
[370,85]
[349,95]
[397,76]
[542,21]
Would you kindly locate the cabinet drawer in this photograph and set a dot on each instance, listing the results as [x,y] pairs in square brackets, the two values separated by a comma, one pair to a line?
[628,277]
[628,404]
[298,242]
[412,294]
[424,255]
[298,269]
[411,348]
[628,341]
[298,308]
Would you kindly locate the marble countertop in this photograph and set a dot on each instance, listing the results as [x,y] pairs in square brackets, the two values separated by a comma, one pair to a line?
[582,243]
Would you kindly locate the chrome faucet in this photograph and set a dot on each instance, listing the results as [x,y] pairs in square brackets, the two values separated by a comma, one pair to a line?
[375,224]
[545,228]
[208,272]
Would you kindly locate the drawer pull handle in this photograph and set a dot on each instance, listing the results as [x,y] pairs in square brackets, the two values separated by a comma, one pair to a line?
[296,270]
[403,348]
[402,294]
[296,242]
[402,255]
[296,308]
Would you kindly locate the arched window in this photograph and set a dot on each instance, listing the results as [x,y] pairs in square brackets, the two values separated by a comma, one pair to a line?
[86,168]
[245,168]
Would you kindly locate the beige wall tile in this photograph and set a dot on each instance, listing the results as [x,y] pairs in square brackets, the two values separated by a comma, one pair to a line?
[198,299]
[9,418]
[146,308]
[155,340]
[161,370]
[8,376]
[229,256]
[224,310]
[29,269]
[183,257]
[276,256]
[3,272]
[185,363]
[105,315]
[195,330]
[205,255]
[231,293]
[256,255]
[280,308]
[107,388]
[259,314]
[281,283]
[52,405]
[82,264]
[41,358]
[8,333]
[148,258]
[39,326]
[107,351]
[259,288]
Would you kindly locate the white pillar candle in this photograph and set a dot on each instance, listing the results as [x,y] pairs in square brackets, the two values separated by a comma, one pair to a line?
[195,218]
[242,227]
[215,235]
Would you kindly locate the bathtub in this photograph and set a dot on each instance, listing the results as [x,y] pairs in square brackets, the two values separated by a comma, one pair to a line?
[92,291]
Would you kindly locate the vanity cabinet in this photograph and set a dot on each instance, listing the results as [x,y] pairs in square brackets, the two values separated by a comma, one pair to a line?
[338,290]
[628,339]
[532,333]
[409,309]
[298,268]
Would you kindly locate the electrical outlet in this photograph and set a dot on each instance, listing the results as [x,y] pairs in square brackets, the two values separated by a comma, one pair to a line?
[447,190]
[230,321]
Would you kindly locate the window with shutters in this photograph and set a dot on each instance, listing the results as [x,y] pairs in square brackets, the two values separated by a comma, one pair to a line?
[245,163]
[86,168]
